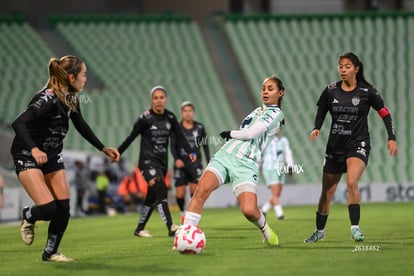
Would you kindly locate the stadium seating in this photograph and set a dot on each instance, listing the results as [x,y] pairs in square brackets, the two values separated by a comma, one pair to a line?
[302,51]
[23,57]
[129,56]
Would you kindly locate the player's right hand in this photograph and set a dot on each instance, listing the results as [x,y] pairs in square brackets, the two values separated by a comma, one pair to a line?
[315,133]
[179,163]
[39,156]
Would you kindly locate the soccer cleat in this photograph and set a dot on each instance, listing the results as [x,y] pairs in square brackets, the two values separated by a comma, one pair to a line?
[356,234]
[316,236]
[172,231]
[282,217]
[57,257]
[143,233]
[269,236]
[27,229]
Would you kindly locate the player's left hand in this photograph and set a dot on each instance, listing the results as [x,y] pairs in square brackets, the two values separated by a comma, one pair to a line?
[225,135]
[392,147]
[193,157]
[112,153]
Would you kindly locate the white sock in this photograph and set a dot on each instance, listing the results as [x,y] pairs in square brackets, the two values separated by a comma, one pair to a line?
[278,210]
[191,218]
[263,226]
[266,207]
[354,227]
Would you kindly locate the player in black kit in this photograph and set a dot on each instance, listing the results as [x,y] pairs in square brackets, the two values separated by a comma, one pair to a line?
[347,151]
[155,126]
[185,171]
[37,151]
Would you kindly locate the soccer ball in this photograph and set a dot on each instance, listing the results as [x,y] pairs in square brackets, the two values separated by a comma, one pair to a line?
[189,239]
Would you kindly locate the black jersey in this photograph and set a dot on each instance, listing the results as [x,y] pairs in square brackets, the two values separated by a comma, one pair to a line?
[196,137]
[45,123]
[349,111]
[155,130]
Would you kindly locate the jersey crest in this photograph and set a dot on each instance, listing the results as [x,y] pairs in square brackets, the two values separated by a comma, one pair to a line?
[355,100]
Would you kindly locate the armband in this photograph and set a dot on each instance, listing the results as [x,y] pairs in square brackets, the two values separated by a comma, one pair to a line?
[383,112]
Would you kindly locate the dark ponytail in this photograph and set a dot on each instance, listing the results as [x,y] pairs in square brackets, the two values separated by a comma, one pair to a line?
[279,84]
[59,70]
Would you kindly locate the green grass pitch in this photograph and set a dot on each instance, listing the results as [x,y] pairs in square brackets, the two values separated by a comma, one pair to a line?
[106,245]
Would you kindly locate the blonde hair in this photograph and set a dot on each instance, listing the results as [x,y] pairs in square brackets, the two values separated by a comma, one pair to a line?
[59,71]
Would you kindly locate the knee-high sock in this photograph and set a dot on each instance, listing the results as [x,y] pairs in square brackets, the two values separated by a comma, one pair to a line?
[354,213]
[145,214]
[58,226]
[180,203]
[165,213]
[41,212]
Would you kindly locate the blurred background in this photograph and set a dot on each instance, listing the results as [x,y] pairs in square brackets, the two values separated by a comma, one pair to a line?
[216,54]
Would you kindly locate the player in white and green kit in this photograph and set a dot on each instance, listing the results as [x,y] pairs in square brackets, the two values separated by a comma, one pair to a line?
[237,162]
[277,161]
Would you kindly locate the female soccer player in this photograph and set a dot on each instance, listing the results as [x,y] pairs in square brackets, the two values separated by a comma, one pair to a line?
[276,157]
[155,126]
[37,151]
[347,151]
[186,172]
[237,162]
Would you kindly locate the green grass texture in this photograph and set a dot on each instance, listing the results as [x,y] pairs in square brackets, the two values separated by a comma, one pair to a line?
[104,245]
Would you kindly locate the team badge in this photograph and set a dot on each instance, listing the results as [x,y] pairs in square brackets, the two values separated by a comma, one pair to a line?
[355,100]
[167,125]
[152,172]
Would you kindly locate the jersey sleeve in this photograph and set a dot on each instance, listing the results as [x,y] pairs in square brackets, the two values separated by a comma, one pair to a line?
[323,108]
[174,149]
[271,118]
[39,107]
[181,141]
[205,144]
[84,129]
[138,127]
[377,103]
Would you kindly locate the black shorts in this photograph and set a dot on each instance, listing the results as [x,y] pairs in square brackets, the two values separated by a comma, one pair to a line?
[188,174]
[336,162]
[23,160]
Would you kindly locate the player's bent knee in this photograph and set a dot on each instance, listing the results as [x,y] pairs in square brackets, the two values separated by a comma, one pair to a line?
[48,211]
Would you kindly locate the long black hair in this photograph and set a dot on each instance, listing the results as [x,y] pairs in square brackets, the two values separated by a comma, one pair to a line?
[279,84]
[357,63]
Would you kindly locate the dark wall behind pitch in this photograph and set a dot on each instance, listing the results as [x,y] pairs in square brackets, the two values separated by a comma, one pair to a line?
[38,12]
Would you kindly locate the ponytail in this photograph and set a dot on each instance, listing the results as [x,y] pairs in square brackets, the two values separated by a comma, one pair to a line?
[279,84]
[59,70]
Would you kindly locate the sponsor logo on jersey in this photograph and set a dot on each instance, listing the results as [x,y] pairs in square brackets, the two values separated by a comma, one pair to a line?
[362,151]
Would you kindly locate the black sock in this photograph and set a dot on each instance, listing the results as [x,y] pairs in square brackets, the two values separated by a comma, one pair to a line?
[144,217]
[165,213]
[41,212]
[354,213]
[57,226]
[52,244]
[321,221]
[180,203]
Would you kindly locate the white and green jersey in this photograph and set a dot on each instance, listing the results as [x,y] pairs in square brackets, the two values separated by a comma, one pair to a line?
[277,154]
[256,129]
